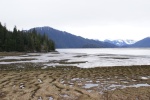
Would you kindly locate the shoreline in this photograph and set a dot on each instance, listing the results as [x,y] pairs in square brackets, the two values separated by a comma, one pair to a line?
[75,59]
[36,81]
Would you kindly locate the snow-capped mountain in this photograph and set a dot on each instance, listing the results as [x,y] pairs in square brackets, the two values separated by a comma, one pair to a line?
[120,42]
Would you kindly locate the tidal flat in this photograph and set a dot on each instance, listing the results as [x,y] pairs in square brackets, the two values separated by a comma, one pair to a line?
[29,81]
[57,76]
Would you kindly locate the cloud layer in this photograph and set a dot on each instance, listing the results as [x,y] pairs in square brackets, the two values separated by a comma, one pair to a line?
[98,19]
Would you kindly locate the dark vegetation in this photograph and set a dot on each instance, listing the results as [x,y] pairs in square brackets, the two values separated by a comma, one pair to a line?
[24,41]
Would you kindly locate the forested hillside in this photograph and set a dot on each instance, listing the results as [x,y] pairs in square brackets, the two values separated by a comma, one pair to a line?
[67,40]
[24,41]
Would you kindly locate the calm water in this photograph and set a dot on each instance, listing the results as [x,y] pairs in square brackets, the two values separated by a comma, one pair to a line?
[121,51]
[86,58]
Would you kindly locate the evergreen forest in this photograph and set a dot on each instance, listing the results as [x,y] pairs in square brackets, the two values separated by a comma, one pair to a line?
[24,41]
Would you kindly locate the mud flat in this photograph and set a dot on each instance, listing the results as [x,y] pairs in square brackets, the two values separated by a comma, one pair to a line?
[34,81]
[11,53]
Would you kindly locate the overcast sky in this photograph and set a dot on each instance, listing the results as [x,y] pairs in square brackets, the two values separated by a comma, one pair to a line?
[95,19]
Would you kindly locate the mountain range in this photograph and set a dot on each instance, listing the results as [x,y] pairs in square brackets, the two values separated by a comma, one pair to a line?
[64,39]
[120,42]
[144,43]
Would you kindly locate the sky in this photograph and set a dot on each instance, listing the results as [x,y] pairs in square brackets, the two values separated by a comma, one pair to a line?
[93,19]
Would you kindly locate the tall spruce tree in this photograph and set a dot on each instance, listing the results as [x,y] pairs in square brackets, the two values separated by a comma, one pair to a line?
[24,41]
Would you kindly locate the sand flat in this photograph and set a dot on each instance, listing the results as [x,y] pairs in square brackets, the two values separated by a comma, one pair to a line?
[69,83]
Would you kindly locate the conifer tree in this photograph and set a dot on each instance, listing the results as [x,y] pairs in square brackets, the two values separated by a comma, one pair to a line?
[29,41]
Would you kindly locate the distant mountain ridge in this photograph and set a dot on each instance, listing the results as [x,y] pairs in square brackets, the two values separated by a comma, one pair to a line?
[64,39]
[144,43]
[120,42]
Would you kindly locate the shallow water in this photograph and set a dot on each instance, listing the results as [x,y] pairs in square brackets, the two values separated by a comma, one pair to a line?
[89,85]
[86,58]
[118,51]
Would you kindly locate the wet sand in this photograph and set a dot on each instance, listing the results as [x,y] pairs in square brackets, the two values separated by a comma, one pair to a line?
[32,81]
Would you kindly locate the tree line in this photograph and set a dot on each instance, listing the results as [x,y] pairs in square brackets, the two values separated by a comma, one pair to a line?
[24,41]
